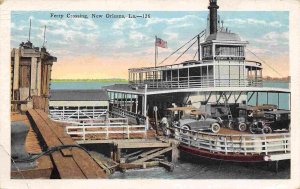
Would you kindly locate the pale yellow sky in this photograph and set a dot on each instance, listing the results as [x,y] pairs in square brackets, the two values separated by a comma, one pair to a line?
[92,67]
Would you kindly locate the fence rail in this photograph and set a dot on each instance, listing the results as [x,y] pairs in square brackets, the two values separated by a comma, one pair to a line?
[245,144]
[106,130]
[68,115]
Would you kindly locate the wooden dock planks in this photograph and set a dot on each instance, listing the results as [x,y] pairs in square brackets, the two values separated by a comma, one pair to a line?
[70,163]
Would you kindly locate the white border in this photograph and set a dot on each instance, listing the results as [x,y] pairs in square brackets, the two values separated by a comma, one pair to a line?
[293,6]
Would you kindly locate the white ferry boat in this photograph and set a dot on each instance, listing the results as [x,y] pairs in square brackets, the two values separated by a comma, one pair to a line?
[221,75]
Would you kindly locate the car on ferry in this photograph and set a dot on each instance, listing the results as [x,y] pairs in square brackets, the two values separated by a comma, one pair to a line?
[251,116]
[200,121]
[278,120]
[190,118]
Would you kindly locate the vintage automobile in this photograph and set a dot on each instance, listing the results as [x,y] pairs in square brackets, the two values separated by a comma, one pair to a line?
[172,116]
[200,121]
[251,115]
[190,118]
[278,120]
[259,126]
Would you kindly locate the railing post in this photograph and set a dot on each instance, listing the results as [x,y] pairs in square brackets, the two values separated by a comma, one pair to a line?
[210,145]
[78,113]
[284,143]
[93,112]
[266,148]
[107,134]
[83,129]
[147,124]
[225,145]
[145,131]
[127,131]
[244,144]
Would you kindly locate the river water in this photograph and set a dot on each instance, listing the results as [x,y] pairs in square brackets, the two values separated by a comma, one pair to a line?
[190,167]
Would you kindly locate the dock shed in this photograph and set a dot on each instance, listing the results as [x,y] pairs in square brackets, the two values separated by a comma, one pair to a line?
[66,104]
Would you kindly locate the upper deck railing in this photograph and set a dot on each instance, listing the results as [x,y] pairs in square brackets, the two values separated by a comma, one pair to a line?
[188,64]
[183,75]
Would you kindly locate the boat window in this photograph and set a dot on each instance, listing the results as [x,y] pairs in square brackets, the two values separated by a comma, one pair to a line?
[207,51]
[227,50]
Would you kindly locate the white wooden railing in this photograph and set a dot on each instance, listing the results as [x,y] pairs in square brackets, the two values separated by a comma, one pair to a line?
[245,144]
[125,113]
[194,82]
[105,130]
[67,115]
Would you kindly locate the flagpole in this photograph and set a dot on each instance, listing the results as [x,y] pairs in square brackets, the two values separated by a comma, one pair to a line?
[155,50]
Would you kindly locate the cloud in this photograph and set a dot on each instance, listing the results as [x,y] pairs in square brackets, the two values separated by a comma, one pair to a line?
[273,39]
[251,21]
[176,22]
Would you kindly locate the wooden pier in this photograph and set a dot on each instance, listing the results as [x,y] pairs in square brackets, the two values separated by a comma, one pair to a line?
[69,163]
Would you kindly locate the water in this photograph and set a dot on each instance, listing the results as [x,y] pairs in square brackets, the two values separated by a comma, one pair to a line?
[79,85]
[197,168]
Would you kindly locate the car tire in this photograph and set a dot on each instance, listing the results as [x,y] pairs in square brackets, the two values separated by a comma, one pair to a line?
[230,125]
[186,127]
[252,129]
[215,127]
[242,127]
[266,130]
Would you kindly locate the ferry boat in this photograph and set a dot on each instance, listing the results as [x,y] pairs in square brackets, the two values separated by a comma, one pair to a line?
[220,75]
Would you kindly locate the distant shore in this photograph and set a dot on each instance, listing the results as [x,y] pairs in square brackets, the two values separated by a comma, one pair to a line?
[287,79]
[91,80]
[277,79]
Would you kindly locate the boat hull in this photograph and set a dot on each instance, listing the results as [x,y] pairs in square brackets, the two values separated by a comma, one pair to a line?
[219,156]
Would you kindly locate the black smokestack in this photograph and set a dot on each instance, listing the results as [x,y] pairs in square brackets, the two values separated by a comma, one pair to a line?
[213,16]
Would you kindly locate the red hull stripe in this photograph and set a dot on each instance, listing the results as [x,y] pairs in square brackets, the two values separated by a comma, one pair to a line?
[221,156]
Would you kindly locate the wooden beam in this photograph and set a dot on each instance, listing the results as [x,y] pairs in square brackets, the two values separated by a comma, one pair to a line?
[33,70]
[87,164]
[66,166]
[138,165]
[149,152]
[16,69]
[152,155]
[167,165]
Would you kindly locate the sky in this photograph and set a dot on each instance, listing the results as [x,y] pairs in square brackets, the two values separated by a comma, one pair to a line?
[96,48]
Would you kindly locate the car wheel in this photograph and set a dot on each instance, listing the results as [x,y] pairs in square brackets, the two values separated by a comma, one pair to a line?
[215,127]
[266,130]
[186,127]
[252,128]
[242,127]
[230,125]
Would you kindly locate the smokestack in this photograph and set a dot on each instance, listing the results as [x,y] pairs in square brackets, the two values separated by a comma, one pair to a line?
[213,16]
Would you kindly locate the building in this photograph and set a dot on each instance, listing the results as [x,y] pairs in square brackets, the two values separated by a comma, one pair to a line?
[31,75]
[74,105]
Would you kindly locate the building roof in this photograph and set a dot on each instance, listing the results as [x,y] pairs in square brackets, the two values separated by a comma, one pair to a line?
[79,95]
[223,36]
